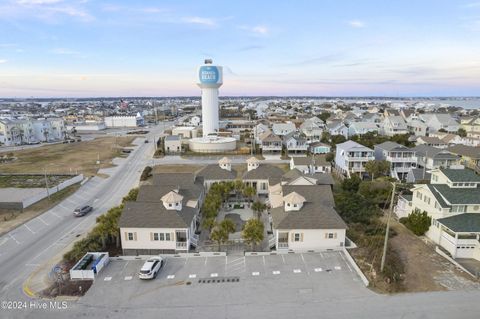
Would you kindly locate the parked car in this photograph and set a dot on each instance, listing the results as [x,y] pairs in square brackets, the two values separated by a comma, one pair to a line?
[82,211]
[146,141]
[151,268]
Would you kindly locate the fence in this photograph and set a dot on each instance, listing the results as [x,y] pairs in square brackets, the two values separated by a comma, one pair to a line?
[37,197]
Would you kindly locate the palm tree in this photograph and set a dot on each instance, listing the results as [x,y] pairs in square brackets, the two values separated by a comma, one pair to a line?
[258,207]
[249,192]
[253,232]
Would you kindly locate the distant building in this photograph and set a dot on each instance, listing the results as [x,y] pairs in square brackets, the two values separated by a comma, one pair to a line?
[123,121]
[29,131]
[351,157]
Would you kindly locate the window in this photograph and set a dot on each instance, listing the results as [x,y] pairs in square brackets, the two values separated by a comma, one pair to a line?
[155,236]
[476,207]
[162,236]
[330,235]
[129,236]
[296,237]
[169,205]
[459,209]
[167,236]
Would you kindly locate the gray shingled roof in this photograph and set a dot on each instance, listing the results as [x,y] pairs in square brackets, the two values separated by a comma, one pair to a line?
[264,171]
[463,223]
[174,179]
[392,146]
[215,172]
[434,152]
[456,196]
[155,215]
[464,150]
[318,160]
[317,212]
[154,193]
[419,174]
[460,175]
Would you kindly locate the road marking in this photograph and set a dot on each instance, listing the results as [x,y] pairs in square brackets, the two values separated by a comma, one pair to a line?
[263,260]
[170,276]
[64,207]
[214,275]
[321,255]
[338,268]
[255,273]
[297,271]
[107,278]
[40,219]
[11,236]
[276,272]
[56,215]
[318,269]
[283,259]
[128,277]
[205,260]
[96,199]
[32,265]
[4,240]
[26,226]
[347,263]
[192,276]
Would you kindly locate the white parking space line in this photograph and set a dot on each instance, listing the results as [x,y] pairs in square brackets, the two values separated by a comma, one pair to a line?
[318,269]
[26,226]
[192,276]
[297,271]
[170,276]
[276,272]
[255,273]
[263,260]
[214,275]
[338,268]
[61,206]
[56,215]
[128,277]
[32,265]
[283,259]
[40,219]
[346,262]
[4,240]
[107,278]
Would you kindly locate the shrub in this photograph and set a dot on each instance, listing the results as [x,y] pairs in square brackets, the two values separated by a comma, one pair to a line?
[418,222]
[147,172]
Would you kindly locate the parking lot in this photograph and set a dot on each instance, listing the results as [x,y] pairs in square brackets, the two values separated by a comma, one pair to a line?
[199,280]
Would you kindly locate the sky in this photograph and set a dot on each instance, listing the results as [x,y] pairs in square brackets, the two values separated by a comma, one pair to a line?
[88,48]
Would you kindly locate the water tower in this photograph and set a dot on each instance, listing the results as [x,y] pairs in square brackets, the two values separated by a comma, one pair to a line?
[210,78]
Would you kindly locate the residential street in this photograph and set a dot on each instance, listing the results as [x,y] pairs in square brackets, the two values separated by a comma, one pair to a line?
[31,245]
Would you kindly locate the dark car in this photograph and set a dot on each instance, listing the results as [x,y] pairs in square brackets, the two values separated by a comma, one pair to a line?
[82,211]
[146,141]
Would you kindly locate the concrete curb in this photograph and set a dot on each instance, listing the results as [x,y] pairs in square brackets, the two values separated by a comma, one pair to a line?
[453,261]
[357,269]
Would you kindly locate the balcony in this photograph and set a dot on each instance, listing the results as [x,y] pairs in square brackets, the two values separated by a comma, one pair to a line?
[359,158]
[411,159]
[357,169]
[282,245]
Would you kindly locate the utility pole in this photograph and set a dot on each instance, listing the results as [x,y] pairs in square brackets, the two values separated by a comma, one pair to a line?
[46,181]
[382,265]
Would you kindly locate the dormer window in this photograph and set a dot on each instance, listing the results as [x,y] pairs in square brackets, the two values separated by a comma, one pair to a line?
[169,205]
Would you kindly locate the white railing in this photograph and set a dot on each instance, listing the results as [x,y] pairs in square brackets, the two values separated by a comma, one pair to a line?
[182,245]
[359,159]
[194,240]
[357,169]
[412,159]
[282,245]
[271,242]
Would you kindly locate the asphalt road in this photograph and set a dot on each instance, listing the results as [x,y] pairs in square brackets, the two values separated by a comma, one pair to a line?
[37,241]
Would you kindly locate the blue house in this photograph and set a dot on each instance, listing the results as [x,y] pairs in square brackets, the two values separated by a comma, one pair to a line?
[319,148]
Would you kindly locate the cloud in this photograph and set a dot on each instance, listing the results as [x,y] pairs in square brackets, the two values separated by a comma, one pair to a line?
[47,10]
[356,24]
[3,61]
[259,30]
[199,20]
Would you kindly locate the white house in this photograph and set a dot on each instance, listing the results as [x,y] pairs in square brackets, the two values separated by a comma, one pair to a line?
[360,128]
[165,216]
[401,158]
[452,200]
[438,121]
[393,125]
[281,129]
[351,157]
[311,164]
[304,219]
